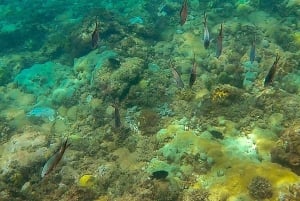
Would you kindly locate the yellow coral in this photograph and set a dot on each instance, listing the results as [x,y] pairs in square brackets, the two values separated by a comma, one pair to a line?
[297,38]
[293,3]
[16,178]
[244,8]
[103,198]
[87,180]
[219,94]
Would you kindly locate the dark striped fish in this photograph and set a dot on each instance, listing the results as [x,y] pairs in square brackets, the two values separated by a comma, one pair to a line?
[206,39]
[177,77]
[54,160]
[219,42]
[160,175]
[252,51]
[193,73]
[95,36]
[270,76]
[117,116]
[183,12]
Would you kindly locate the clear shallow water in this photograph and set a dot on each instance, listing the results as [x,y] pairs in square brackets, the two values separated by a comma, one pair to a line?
[139,128]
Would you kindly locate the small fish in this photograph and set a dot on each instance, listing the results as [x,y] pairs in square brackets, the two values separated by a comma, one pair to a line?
[117,115]
[54,160]
[219,42]
[95,36]
[270,76]
[217,134]
[193,73]
[43,112]
[177,77]
[183,12]
[160,174]
[206,33]
[252,51]
[114,63]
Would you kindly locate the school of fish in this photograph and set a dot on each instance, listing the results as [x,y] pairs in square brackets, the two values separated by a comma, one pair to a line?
[219,48]
[53,161]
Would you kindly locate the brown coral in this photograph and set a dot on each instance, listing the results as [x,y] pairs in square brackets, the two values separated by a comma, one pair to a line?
[198,194]
[287,152]
[149,121]
[260,188]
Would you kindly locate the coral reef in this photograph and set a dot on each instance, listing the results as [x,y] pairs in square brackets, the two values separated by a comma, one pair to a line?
[152,81]
[199,143]
[197,194]
[5,130]
[260,188]
[49,78]
[286,152]
[251,73]
[225,94]
[86,180]
[148,122]
[292,194]
[5,74]
[117,83]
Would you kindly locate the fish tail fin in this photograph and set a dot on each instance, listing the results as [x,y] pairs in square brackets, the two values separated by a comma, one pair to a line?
[66,144]
[204,19]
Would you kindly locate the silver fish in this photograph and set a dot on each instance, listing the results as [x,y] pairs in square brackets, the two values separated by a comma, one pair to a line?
[176,76]
[54,160]
[206,39]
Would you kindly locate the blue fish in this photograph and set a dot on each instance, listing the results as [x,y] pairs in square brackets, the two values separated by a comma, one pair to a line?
[136,20]
[252,51]
[43,112]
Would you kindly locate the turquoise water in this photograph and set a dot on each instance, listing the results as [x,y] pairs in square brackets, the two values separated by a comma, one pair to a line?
[150,109]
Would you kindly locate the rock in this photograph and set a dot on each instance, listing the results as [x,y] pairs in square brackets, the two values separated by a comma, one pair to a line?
[287,149]
[22,151]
